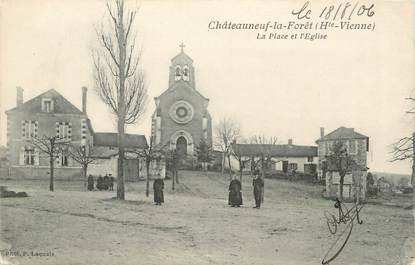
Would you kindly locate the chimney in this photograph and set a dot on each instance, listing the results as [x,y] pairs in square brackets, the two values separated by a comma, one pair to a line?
[290,141]
[321,132]
[19,96]
[84,97]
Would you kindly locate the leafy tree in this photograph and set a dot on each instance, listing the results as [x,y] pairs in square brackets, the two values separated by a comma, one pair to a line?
[204,153]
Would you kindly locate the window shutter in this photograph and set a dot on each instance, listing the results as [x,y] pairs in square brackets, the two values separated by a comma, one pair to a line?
[36,157]
[57,129]
[58,160]
[23,129]
[21,156]
[36,129]
[69,131]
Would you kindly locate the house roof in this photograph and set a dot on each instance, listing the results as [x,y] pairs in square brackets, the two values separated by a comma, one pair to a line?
[103,152]
[61,104]
[285,150]
[110,140]
[342,133]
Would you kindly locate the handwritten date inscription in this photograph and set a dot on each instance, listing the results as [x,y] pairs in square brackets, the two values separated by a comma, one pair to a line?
[340,11]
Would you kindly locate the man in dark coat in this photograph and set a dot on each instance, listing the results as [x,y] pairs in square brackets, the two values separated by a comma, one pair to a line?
[111,185]
[90,182]
[235,193]
[99,182]
[106,182]
[158,186]
[258,184]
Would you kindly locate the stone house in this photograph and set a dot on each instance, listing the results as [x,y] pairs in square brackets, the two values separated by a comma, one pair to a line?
[287,158]
[48,114]
[105,155]
[356,146]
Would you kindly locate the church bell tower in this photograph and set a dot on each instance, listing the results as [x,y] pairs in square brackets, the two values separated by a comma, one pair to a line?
[181,119]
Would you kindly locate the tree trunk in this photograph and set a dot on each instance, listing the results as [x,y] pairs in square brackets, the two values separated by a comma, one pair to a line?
[240,170]
[222,170]
[230,167]
[84,172]
[413,160]
[121,102]
[51,172]
[176,175]
[173,172]
[148,177]
[341,186]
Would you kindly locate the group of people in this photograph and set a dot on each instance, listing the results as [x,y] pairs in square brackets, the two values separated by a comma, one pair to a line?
[235,191]
[103,183]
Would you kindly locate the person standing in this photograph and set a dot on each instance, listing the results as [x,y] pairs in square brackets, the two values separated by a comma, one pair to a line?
[106,182]
[111,186]
[235,193]
[258,184]
[158,186]
[90,182]
[99,182]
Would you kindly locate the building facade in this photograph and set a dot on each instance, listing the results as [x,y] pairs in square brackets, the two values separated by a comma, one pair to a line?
[356,146]
[105,155]
[46,115]
[181,119]
[286,158]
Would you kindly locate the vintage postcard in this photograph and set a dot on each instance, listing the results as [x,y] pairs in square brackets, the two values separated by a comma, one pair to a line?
[207,132]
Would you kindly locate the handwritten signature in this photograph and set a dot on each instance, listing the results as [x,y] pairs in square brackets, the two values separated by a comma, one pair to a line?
[347,217]
[342,10]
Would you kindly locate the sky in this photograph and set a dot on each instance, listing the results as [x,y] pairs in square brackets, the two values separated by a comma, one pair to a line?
[282,88]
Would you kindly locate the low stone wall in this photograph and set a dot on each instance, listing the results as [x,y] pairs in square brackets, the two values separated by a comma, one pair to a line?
[43,173]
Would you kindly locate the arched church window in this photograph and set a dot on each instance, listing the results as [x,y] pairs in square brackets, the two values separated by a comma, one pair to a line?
[186,73]
[178,73]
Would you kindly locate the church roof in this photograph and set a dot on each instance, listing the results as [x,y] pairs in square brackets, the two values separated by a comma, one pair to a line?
[182,82]
[274,150]
[61,104]
[182,56]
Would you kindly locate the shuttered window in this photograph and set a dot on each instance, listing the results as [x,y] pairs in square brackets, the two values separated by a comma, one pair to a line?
[29,129]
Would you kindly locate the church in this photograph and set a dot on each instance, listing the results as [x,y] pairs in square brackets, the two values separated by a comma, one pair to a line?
[181,119]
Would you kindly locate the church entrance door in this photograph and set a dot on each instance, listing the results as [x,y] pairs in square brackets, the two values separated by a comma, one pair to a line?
[181,147]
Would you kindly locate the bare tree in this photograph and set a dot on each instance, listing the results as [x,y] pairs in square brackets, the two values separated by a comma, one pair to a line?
[227,132]
[341,162]
[265,146]
[172,161]
[241,157]
[151,153]
[118,78]
[81,155]
[51,147]
[404,148]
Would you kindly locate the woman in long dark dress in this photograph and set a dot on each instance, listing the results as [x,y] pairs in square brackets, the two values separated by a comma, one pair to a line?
[235,193]
[258,184]
[158,186]
[99,182]
[90,182]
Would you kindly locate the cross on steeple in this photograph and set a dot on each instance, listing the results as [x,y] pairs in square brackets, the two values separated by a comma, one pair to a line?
[182,46]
